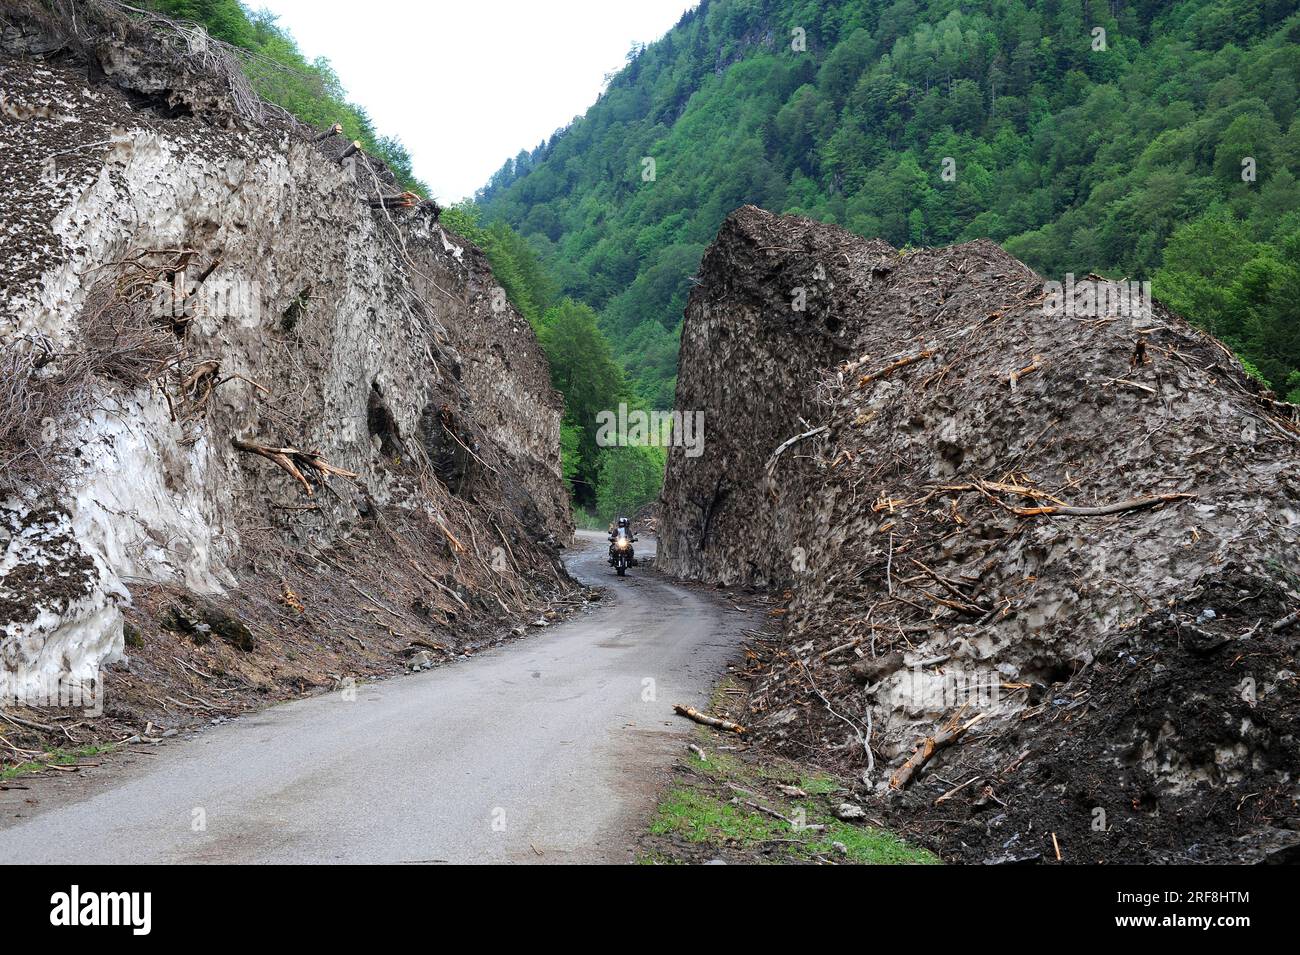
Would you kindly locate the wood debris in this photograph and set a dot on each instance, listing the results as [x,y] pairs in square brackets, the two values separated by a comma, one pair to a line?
[294,462]
[948,734]
[716,722]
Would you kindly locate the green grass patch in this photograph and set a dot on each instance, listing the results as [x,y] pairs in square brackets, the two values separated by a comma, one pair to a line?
[867,846]
[57,757]
[818,785]
[714,805]
[713,808]
[722,767]
[703,818]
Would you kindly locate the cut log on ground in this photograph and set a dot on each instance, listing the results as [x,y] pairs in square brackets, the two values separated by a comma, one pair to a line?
[691,713]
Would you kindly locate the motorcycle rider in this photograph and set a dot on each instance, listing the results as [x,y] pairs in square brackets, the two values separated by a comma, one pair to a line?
[623,530]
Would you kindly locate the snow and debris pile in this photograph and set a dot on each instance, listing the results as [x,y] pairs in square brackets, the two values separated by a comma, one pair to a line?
[1043,557]
[234,368]
[765,303]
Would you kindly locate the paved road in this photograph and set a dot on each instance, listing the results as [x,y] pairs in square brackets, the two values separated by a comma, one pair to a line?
[540,751]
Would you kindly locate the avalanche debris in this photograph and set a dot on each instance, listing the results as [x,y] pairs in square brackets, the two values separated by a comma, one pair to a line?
[1039,562]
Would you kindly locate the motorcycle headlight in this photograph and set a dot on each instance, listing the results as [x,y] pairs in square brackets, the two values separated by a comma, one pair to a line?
[621,545]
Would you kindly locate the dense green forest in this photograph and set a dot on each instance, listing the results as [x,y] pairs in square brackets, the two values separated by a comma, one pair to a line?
[280,73]
[1144,139]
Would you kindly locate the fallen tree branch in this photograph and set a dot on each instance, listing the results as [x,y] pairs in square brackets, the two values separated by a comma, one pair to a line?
[1133,384]
[403,201]
[890,369]
[691,713]
[29,724]
[443,587]
[1131,505]
[374,601]
[956,789]
[769,469]
[948,734]
[460,548]
[771,462]
[1035,364]
[293,461]
[1289,620]
[468,451]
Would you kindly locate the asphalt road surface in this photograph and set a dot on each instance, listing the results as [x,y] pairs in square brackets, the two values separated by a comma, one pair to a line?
[543,750]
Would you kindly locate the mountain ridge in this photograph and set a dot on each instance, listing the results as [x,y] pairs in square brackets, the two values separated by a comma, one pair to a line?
[1083,139]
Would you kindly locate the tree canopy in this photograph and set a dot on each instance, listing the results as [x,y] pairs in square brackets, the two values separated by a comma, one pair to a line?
[1123,138]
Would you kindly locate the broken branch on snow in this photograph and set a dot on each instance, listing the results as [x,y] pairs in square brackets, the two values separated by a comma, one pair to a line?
[294,461]
[948,734]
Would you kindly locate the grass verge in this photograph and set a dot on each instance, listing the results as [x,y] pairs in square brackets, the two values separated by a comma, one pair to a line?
[739,804]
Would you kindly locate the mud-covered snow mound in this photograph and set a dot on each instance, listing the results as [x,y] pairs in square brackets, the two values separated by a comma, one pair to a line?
[239,363]
[1042,544]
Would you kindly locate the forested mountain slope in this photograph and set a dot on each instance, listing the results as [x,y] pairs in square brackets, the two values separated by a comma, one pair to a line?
[1153,140]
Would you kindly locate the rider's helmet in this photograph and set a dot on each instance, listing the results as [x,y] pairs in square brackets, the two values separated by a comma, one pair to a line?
[622,522]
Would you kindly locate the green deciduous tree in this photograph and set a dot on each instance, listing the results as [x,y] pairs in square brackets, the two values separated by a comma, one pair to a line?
[629,478]
[584,371]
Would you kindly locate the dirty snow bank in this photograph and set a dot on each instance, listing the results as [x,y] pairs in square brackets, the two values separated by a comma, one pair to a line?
[366,336]
[1084,527]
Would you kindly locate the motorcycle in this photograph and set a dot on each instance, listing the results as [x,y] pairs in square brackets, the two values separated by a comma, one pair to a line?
[622,555]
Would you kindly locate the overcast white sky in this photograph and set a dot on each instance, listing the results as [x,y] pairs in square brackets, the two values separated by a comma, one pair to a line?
[466,84]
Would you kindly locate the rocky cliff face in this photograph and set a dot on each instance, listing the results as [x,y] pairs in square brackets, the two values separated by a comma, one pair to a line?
[1077,523]
[236,370]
